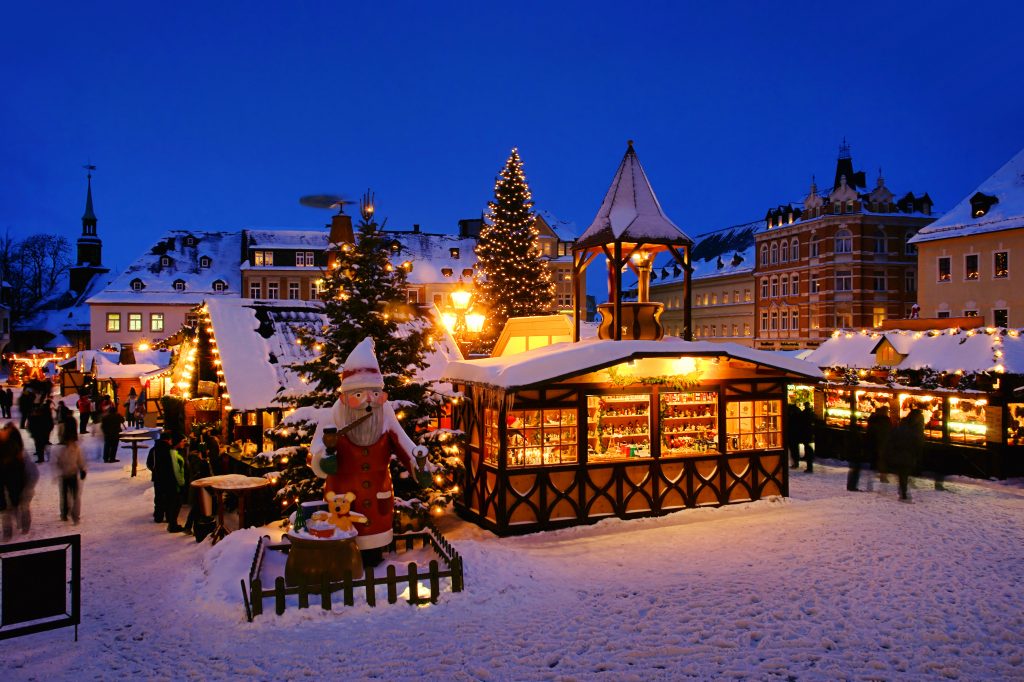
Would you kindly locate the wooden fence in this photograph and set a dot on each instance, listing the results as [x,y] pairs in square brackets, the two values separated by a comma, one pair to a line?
[449,566]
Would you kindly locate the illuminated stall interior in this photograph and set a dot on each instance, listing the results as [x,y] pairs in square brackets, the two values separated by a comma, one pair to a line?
[967,383]
[572,433]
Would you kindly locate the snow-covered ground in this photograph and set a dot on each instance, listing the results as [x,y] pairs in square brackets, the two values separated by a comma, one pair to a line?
[825,585]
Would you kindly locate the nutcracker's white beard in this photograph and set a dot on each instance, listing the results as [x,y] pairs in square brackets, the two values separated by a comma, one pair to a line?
[366,433]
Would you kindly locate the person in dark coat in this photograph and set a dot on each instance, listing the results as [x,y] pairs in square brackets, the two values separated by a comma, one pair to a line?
[12,480]
[795,420]
[110,425]
[5,405]
[166,484]
[807,423]
[875,437]
[906,442]
[198,467]
[159,450]
[84,411]
[40,426]
[26,401]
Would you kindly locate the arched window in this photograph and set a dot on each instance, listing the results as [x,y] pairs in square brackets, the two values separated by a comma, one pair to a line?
[764,287]
[794,285]
[794,249]
[775,287]
[814,246]
[764,254]
[784,282]
[844,241]
[784,252]
[775,252]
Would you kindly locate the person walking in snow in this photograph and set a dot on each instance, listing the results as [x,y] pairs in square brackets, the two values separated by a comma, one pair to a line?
[5,407]
[25,403]
[905,445]
[807,424]
[40,426]
[84,411]
[71,473]
[795,421]
[110,425]
[168,479]
[129,408]
[875,436]
[31,476]
[12,480]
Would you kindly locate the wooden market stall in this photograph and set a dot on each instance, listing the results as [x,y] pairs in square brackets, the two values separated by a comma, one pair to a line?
[576,432]
[966,381]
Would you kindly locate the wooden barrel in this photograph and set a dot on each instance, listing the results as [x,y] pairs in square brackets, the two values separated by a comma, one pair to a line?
[310,561]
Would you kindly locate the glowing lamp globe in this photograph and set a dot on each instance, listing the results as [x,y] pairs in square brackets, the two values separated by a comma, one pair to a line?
[475,322]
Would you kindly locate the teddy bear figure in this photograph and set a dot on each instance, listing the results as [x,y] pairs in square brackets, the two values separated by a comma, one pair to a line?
[339,507]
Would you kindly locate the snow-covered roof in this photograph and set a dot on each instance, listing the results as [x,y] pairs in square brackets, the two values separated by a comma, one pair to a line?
[65,310]
[286,238]
[222,248]
[990,349]
[565,360]
[1006,185]
[733,247]
[565,230]
[432,253]
[257,344]
[630,211]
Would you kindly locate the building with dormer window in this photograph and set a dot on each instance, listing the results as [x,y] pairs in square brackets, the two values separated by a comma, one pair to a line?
[966,258]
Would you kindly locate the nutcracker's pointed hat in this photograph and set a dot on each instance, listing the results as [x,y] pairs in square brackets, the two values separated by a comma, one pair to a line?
[361,368]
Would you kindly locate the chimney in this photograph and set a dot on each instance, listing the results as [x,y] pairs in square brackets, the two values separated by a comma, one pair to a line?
[341,229]
[416,228]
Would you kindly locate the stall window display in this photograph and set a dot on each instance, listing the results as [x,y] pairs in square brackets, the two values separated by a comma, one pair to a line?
[535,437]
[798,394]
[837,407]
[753,425]
[689,423]
[1015,424]
[618,426]
[867,403]
[932,407]
[967,421]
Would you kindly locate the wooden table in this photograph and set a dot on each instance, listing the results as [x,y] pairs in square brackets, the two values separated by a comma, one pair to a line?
[243,486]
[135,439]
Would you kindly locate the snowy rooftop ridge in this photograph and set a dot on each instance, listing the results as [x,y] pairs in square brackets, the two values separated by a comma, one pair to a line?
[178,255]
[1006,185]
[992,349]
[630,210]
[564,360]
[287,238]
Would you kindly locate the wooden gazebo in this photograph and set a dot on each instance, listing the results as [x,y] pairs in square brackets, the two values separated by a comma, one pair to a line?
[630,229]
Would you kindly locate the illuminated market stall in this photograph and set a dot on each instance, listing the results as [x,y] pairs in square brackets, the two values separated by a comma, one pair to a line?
[576,432]
[964,381]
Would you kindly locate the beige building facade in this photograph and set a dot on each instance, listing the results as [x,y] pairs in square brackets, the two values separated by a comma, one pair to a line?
[971,260]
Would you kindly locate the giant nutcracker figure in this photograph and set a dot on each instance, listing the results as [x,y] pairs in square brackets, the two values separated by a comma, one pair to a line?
[352,450]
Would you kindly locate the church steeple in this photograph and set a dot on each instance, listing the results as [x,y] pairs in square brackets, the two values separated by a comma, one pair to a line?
[89,217]
[90,248]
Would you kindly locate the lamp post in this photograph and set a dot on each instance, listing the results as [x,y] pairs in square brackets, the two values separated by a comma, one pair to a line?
[464,323]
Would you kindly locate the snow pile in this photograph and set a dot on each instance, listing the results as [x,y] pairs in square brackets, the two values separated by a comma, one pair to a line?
[826,585]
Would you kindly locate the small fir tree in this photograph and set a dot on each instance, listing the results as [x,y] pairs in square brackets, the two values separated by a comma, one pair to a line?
[514,281]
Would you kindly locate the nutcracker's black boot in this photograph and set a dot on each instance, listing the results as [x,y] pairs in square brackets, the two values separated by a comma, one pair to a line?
[372,557]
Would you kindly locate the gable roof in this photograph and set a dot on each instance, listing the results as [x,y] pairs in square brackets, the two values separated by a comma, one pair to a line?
[222,247]
[1007,185]
[630,210]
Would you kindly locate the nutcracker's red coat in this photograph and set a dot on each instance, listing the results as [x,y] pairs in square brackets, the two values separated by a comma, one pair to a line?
[364,472]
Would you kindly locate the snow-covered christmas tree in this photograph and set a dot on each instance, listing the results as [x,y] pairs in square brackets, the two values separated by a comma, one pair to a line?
[514,281]
[364,295]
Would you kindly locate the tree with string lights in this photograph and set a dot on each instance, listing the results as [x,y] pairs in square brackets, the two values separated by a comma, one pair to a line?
[364,295]
[514,281]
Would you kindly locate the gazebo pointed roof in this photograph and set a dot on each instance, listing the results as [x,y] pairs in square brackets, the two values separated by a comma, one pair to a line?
[630,211]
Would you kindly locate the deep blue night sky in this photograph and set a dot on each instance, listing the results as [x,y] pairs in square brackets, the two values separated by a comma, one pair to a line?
[220,115]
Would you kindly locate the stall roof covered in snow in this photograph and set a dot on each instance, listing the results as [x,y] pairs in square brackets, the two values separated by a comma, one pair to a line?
[630,210]
[943,351]
[1006,185]
[179,255]
[257,344]
[565,360]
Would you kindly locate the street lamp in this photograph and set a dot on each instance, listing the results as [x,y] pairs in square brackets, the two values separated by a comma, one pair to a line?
[463,323]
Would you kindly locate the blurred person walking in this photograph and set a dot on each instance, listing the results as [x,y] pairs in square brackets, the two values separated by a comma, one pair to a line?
[71,473]
[13,481]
